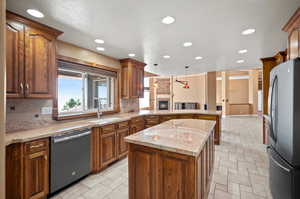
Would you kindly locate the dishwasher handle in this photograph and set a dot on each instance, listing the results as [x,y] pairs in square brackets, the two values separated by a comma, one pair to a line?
[71,137]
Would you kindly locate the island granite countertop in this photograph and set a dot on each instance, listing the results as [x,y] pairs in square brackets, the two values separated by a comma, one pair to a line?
[65,127]
[184,136]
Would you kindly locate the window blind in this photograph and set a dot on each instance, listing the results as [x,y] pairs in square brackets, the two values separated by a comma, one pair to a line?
[85,68]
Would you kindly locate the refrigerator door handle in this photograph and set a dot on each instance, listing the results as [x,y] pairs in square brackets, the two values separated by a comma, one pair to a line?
[271,107]
[276,162]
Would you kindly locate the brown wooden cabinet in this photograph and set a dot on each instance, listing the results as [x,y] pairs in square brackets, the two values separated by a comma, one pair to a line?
[151,120]
[36,175]
[108,148]
[39,63]
[112,145]
[169,174]
[137,124]
[122,146]
[31,58]
[293,29]
[164,118]
[132,78]
[14,59]
[27,170]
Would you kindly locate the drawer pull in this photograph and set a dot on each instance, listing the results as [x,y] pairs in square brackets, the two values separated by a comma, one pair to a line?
[36,146]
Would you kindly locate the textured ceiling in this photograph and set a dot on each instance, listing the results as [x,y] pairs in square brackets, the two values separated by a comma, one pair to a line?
[134,26]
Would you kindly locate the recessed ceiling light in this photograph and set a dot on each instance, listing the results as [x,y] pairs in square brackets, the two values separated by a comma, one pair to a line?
[198,58]
[187,44]
[248,31]
[240,61]
[99,41]
[100,49]
[167,56]
[131,55]
[35,13]
[168,20]
[243,51]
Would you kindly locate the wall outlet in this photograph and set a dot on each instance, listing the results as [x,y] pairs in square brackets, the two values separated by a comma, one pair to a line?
[46,110]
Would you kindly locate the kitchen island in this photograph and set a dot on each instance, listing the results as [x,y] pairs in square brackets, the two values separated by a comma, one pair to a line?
[172,160]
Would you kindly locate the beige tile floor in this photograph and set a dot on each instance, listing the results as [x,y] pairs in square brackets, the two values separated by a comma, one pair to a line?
[241,168]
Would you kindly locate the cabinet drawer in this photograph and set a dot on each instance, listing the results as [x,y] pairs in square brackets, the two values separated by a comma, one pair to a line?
[152,120]
[186,117]
[149,125]
[123,124]
[167,118]
[137,119]
[36,146]
[206,117]
[108,128]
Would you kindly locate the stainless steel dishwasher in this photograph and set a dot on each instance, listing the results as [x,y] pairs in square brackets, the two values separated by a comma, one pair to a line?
[70,158]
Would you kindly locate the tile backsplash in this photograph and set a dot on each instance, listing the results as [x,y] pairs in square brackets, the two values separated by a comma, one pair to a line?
[22,114]
[129,105]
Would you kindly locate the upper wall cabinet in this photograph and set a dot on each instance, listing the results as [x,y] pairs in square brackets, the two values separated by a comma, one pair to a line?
[293,29]
[132,78]
[14,58]
[30,58]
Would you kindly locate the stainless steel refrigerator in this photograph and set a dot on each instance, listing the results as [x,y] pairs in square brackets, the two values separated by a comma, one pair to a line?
[284,125]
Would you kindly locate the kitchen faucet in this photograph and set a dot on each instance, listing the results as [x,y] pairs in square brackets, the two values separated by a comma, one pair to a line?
[99,112]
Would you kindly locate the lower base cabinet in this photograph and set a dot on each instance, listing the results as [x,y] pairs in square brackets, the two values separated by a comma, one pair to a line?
[121,144]
[36,175]
[108,144]
[159,174]
[27,170]
[27,173]
[108,150]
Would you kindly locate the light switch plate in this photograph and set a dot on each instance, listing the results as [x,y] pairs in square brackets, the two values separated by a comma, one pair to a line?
[46,110]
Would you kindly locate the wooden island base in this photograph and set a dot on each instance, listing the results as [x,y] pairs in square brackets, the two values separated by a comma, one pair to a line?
[159,174]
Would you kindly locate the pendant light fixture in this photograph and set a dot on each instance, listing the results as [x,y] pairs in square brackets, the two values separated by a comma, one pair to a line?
[184,83]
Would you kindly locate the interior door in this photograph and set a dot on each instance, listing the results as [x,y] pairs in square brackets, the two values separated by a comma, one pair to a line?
[39,64]
[14,59]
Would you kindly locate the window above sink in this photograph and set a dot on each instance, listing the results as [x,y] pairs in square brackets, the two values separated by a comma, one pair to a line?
[82,89]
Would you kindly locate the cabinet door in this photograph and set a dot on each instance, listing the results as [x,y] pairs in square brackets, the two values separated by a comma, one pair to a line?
[108,148]
[176,176]
[134,82]
[140,76]
[122,145]
[142,174]
[14,59]
[294,47]
[36,175]
[39,64]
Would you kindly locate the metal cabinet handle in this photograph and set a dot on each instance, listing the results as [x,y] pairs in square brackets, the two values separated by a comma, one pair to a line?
[36,146]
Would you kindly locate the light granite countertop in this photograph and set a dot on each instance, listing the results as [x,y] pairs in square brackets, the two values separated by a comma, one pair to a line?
[184,136]
[65,127]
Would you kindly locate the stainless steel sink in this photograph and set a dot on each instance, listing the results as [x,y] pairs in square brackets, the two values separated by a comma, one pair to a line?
[105,120]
